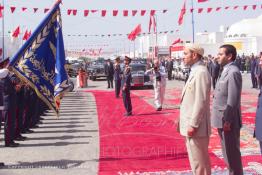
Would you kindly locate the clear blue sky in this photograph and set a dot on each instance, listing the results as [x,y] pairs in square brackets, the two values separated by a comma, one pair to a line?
[95,24]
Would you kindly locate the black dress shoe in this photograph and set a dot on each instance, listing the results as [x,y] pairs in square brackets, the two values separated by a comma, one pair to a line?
[159,109]
[13,144]
[128,114]
[29,131]
[36,126]
[2,164]
[20,138]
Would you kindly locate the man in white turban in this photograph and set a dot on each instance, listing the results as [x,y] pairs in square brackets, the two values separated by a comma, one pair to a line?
[194,123]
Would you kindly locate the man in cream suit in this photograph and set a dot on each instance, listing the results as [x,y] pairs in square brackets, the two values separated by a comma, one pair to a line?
[226,113]
[195,111]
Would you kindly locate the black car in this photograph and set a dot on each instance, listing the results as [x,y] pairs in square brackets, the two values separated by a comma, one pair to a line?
[139,78]
[96,70]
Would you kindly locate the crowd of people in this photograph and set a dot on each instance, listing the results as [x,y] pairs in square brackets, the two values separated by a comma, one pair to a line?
[224,74]
[21,107]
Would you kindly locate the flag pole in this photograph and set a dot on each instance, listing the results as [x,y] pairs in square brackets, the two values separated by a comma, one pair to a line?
[193,21]
[3,30]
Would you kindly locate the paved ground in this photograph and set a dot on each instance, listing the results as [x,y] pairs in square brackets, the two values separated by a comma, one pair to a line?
[70,144]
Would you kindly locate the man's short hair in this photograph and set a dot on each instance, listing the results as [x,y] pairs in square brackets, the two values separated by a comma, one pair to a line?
[230,49]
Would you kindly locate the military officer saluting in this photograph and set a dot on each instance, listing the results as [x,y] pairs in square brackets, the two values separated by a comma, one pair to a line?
[126,86]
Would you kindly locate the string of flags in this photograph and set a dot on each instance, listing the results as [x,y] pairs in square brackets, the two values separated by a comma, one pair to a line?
[126,13]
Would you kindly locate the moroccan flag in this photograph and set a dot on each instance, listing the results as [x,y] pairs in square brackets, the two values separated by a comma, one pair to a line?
[199,1]
[176,41]
[16,32]
[152,21]
[40,62]
[132,36]
[182,13]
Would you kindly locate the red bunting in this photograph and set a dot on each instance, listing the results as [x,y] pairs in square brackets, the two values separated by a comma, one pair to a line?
[103,13]
[143,12]
[74,12]
[26,35]
[182,13]
[245,7]
[134,12]
[164,11]
[218,8]
[86,12]
[199,1]
[227,8]
[24,9]
[191,10]
[69,12]
[200,10]
[125,13]
[12,9]
[35,10]
[46,10]
[152,12]
[254,7]
[1,51]
[236,7]
[209,10]
[94,11]
[115,12]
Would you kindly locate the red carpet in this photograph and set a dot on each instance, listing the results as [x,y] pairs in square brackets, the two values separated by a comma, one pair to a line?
[145,142]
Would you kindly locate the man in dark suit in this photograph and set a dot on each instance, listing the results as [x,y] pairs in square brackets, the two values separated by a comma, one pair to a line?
[109,71]
[253,69]
[215,72]
[126,86]
[117,76]
[169,68]
[258,128]
[9,112]
[226,113]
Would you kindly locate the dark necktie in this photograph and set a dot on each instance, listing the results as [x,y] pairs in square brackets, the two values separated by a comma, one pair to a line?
[220,72]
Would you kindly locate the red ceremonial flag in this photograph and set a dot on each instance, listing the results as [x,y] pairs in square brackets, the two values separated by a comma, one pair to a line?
[125,12]
[200,10]
[134,12]
[12,9]
[35,10]
[199,1]
[209,10]
[69,12]
[235,7]
[152,21]
[182,13]
[152,12]
[16,32]
[254,7]
[115,12]
[218,8]
[86,12]
[24,9]
[1,11]
[143,12]
[176,41]
[46,10]
[245,7]
[74,12]
[132,36]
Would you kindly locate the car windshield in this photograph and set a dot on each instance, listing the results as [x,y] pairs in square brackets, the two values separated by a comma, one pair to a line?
[136,68]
